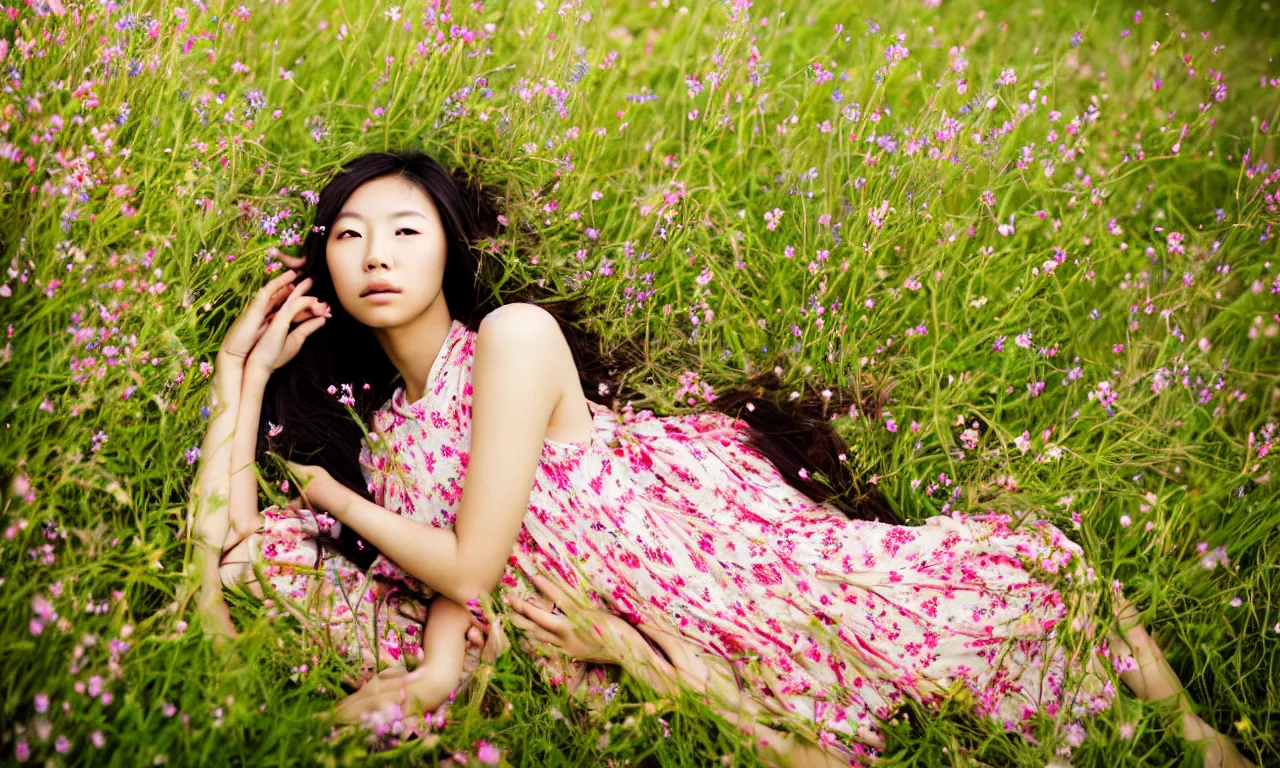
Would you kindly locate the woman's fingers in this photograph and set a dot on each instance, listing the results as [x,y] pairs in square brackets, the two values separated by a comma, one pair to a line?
[535,631]
[545,603]
[290,294]
[294,262]
[313,307]
[293,342]
[557,597]
[284,316]
[541,617]
[278,296]
[273,285]
[269,296]
[301,287]
[259,304]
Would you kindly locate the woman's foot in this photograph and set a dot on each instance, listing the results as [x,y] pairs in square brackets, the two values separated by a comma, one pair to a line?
[1219,752]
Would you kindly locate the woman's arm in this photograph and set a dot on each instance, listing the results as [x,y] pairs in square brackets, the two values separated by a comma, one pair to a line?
[245,516]
[444,644]
[210,522]
[515,392]
[210,519]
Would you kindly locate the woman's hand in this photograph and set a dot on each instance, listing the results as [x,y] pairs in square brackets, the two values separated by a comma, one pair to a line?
[252,322]
[422,690]
[277,344]
[581,632]
[318,488]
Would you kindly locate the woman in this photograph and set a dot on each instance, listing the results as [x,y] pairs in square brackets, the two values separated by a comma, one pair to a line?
[703,530]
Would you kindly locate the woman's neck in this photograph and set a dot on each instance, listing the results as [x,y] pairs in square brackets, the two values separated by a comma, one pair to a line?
[414,346]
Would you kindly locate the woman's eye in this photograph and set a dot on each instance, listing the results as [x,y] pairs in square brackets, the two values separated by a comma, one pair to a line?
[398,231]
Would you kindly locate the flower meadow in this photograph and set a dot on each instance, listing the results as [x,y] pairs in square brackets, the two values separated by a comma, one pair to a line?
[1047,231]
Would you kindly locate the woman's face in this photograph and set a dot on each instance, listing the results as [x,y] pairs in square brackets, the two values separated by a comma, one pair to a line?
[386,253]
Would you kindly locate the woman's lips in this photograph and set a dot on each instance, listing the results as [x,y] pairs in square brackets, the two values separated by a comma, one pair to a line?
[380,297]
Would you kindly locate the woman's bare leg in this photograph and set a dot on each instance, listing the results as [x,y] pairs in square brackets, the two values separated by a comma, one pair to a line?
[1154,680]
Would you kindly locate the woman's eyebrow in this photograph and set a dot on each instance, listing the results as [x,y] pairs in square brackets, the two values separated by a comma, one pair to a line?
[353,215]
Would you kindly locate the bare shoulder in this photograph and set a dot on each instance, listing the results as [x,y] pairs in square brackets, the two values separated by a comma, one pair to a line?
[523,327]
[523,340]
[518,316]
[527,341]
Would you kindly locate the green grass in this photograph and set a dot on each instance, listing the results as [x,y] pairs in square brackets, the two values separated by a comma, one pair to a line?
[132,234]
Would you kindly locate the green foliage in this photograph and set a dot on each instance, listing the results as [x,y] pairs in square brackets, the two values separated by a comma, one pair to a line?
[1095,341]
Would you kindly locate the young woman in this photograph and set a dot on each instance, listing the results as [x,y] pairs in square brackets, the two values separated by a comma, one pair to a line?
[703,531]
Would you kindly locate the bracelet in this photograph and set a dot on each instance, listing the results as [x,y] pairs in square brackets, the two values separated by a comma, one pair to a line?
[233,354]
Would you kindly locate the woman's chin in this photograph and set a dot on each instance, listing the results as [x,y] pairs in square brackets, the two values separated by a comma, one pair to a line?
[380,318]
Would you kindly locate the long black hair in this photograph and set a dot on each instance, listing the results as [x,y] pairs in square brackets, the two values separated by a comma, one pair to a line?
[793,435]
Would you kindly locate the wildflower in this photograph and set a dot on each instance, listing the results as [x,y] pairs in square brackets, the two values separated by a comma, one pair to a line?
[1075,734]
[1106,397]
[895,53]
[1212,558]
[876,216]
[487,753]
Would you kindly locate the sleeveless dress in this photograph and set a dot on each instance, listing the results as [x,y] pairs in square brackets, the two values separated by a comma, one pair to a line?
[673,521]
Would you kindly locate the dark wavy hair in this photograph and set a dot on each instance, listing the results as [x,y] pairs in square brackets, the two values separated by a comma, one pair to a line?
[791,434]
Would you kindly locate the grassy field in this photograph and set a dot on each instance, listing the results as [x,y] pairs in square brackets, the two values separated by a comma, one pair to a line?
[1051,226]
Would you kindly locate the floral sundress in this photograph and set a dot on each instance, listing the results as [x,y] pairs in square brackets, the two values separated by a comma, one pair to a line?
[675,522]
